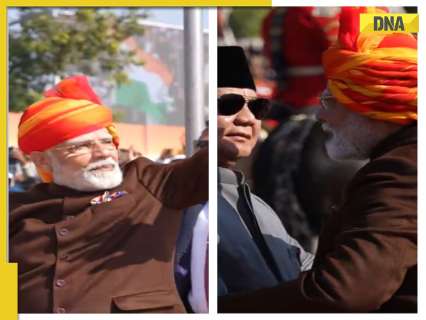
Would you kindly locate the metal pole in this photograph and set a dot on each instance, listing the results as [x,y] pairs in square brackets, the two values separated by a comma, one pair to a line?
[193,51]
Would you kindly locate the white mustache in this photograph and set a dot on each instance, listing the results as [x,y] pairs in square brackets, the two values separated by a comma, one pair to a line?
[100,163]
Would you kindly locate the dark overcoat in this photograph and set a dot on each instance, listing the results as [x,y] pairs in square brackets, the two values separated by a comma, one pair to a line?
[367,255]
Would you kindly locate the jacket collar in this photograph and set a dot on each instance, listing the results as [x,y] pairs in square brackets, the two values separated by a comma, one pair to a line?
[404,136]
[228,176]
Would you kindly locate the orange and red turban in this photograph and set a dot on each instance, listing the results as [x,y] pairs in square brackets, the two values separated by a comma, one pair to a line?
[68,110]
[374,74]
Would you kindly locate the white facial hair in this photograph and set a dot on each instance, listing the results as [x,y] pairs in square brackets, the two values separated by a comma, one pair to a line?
[88,178]
[353,141]
[339,148]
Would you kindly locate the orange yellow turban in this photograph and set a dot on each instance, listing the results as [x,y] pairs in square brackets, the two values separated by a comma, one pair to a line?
[374,74]
[68,110]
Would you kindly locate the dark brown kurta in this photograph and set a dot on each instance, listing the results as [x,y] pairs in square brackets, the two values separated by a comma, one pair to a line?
[367,256]
[111,257]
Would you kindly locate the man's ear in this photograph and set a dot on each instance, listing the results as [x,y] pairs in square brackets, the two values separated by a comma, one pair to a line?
[41,160]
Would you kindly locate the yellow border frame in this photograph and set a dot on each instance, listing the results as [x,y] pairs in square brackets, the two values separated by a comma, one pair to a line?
[137,3]
[9,271]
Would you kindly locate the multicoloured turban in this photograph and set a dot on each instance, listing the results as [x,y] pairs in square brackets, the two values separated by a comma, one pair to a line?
[69,110]
[374,74]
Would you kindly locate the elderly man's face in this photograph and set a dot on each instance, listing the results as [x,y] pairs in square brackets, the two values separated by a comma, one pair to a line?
[238,131]
[87,163]
[345,129]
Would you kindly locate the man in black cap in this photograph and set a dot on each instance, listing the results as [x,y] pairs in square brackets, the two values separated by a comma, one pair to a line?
[254,249]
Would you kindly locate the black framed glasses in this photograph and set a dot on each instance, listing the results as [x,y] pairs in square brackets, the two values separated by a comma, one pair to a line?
[86,147]
[232,103]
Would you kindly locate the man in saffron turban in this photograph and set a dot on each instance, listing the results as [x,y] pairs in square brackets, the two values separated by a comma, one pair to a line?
[93,238]
[367,253]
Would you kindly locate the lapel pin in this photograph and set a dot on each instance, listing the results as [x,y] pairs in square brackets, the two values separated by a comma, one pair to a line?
[107,197]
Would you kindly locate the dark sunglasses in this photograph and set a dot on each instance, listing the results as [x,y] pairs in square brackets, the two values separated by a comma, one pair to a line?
[232,103]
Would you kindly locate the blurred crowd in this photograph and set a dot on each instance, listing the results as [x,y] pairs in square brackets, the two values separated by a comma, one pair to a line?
[22,171]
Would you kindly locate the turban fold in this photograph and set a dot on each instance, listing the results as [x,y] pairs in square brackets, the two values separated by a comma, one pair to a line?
[68,110]
[374,74]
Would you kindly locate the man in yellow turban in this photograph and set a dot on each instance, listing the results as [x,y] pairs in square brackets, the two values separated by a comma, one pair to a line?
[367,252]
[93,238]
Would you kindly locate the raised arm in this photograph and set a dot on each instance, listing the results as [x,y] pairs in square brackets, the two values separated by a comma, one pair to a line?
[181,184]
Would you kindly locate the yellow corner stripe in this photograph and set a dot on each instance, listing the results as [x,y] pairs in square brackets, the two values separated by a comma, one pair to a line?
[9,288]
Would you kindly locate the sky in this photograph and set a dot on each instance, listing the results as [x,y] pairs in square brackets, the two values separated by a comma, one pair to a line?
[172,16]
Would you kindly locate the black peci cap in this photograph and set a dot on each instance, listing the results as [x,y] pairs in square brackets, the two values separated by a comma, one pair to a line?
[233,68]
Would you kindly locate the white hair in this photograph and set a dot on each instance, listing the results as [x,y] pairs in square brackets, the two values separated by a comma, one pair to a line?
[88,178]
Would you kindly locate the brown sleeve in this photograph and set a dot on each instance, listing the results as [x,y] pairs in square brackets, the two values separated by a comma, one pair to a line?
[178,185]
[370,255]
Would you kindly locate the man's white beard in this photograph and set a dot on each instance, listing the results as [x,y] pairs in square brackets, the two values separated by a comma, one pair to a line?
[88,178]
[340,147]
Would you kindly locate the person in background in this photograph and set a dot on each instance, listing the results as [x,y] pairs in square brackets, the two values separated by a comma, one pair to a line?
[24,173]
[127,155]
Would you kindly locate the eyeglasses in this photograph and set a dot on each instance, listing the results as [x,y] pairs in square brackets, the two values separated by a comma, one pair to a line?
[87,147]
[232,103]
[324,101]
